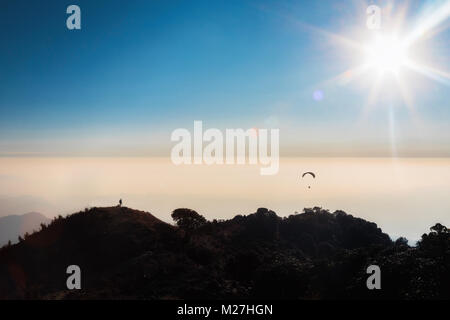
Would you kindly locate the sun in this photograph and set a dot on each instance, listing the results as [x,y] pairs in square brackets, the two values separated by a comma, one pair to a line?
[389,62]
[386,54]
[387,59]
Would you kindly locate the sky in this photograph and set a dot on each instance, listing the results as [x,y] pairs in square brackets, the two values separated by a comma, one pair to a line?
[137,70]
[86,115]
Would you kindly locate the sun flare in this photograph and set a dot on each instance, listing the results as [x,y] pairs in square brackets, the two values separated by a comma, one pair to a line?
[386,59]
[386,54]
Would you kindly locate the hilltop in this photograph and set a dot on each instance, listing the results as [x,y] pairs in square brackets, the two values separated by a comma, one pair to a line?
[130,254]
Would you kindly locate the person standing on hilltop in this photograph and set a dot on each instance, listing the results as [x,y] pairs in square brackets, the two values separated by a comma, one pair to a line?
[120,202]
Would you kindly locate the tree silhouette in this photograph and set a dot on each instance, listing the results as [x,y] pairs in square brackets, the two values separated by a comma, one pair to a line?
[437,242]
[402,241]
[439,229]
[188,219]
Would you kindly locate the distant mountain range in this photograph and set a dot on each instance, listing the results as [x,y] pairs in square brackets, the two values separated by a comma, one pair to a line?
[130,254]
[13,226]
[22,204]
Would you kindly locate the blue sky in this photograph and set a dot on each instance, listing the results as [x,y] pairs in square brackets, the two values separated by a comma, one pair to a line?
[139,69]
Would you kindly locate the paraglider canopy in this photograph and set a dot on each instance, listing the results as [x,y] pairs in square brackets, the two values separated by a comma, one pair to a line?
[311,173]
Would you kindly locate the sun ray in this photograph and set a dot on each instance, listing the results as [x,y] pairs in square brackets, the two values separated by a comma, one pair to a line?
[372,97]
[335,37]
[432,73]
[348,42]
[392,132]
[428,22]
[408,99]
[347,76]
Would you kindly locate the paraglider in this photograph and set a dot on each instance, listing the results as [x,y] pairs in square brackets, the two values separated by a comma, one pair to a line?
[309,173]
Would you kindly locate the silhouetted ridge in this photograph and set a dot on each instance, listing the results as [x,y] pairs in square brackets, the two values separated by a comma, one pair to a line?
[125,253]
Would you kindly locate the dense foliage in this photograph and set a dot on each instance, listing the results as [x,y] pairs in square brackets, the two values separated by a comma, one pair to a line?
[124,253]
